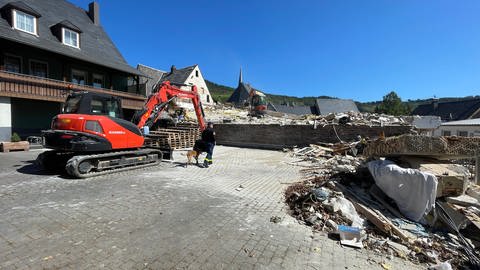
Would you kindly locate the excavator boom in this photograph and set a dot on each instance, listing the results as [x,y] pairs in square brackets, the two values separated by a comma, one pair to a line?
[158,101]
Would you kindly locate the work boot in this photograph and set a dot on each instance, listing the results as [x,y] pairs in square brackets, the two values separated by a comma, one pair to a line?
[205,163]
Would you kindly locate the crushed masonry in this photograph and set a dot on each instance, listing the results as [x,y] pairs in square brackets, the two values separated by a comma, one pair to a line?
[331,176]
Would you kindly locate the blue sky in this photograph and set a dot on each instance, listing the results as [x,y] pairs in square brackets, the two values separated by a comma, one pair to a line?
[348,49]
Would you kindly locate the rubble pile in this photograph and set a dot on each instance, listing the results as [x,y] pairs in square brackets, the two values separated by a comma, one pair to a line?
[221,113]
[339,195]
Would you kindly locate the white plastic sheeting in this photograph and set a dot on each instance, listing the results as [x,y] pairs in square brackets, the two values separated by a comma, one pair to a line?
[347,210]
[413,191]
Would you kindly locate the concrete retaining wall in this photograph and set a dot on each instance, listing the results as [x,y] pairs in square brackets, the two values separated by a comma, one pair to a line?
[278,137]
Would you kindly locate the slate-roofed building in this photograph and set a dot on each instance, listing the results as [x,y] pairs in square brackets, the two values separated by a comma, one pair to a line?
[326,106]
[241,94]
[452,110]
[48,48]
[189,76]
[150,79]
[464,128]
[321,107]
[291,109]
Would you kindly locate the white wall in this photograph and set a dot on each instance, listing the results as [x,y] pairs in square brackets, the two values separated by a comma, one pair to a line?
[202,88]
[5,119]
[472,130]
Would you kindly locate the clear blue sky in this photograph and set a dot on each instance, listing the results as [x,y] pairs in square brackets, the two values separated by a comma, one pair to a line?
[347,49]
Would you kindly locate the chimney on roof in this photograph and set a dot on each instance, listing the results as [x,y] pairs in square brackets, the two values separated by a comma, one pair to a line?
[172,68]
[94,12]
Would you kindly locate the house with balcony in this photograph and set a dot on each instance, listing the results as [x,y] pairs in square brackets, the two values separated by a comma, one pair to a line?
[48,49]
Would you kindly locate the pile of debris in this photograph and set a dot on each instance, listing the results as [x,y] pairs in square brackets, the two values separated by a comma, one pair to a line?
[422,209]
[220,113]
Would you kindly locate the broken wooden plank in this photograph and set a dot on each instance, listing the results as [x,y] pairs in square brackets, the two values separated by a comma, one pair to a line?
[381,197]
[374,216]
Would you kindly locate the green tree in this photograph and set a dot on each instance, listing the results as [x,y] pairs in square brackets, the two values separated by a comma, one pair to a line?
[392,104]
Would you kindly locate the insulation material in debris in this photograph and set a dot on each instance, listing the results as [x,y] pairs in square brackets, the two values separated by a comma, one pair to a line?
[413,191]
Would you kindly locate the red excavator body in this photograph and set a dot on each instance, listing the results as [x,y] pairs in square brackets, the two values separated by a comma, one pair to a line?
[94,138]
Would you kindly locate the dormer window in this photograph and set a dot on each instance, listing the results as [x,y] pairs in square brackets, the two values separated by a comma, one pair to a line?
[24,22]
[21,17]
[70,38]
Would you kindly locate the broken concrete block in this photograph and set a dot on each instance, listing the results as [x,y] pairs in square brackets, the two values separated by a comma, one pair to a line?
[452,178]
[464,200]
[474,191]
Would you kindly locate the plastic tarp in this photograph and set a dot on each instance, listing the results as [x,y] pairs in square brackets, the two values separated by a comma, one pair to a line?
[413,191]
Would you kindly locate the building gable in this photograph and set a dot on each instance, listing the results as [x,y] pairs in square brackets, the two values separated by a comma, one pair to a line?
[189,76]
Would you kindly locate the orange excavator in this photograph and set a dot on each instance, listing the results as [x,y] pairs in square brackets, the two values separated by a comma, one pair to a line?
[258,103]
[90,138]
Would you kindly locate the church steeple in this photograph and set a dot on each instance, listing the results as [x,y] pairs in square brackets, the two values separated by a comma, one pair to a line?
[240,78]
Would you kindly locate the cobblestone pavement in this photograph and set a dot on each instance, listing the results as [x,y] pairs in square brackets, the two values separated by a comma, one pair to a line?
[164,217]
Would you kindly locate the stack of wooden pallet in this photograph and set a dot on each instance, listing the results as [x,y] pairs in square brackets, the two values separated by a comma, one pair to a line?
[178,137]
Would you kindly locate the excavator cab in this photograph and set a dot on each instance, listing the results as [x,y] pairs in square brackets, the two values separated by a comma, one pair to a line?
[93,104]
[258,103]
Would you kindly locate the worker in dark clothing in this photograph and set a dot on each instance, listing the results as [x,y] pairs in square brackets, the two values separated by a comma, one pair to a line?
[208,137]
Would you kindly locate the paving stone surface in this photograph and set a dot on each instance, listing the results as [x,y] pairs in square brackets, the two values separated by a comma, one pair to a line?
[164,217]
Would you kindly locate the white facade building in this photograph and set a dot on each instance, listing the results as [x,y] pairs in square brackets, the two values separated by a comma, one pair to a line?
[464,128]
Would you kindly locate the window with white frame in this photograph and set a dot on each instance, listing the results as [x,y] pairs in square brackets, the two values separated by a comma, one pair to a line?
[24,22]
[70,38]
[462,133]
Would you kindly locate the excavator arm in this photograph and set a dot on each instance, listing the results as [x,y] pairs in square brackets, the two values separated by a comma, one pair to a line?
[158,101]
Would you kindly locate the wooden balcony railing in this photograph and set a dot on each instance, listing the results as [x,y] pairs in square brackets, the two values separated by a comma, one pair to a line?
[31,87]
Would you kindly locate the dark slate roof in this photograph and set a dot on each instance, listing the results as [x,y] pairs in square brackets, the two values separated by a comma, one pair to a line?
[241,94]
[19,5]
[291,109]
[69,25]
[95,45]
[326,106]
[150,78]
[150,72]
[179,76]
[450,111]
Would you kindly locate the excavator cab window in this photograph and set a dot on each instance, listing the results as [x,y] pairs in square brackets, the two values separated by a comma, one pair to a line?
[103,106]
[72,104]
[91,103]
[258,100]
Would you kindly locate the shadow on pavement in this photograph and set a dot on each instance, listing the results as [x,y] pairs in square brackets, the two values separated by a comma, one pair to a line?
[32,168]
